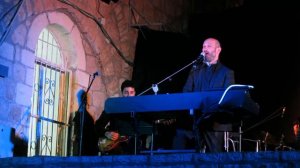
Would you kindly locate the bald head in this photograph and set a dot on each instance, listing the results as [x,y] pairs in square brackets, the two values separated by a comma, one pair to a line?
[213,41]
[212,48]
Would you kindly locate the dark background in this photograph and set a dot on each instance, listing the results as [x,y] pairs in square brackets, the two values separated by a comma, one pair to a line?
[259,42]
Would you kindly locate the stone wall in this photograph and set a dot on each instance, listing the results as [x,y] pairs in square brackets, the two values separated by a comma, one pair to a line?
[98,37]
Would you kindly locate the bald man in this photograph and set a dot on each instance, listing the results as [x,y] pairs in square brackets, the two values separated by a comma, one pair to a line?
[211,74]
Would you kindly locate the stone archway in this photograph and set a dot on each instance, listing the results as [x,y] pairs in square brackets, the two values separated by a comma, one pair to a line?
[70,40]
[73,60]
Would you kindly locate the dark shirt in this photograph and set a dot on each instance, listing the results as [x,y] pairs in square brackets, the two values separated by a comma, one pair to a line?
[121,123]
[125,125]
[203,77]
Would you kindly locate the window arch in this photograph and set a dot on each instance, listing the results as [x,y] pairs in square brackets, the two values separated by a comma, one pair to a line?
[48,125]
[72,58]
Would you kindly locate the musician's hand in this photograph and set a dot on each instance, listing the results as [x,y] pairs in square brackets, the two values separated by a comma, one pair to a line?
[112,135]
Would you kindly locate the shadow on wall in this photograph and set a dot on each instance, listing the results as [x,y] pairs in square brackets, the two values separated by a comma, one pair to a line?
[20,145]
[84,142]
[11,145]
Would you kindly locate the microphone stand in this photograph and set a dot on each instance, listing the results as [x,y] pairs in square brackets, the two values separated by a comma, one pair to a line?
[272,116]
[154,87]
[282,145]
[82,113]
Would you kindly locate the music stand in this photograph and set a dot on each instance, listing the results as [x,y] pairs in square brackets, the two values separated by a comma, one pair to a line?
[239,105]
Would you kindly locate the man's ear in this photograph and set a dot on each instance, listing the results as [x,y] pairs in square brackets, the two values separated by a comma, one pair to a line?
[219,49]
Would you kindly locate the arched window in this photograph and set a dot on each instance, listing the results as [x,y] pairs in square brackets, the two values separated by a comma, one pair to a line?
[50,100]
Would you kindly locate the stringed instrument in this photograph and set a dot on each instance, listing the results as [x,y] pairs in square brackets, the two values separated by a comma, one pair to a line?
[105,144]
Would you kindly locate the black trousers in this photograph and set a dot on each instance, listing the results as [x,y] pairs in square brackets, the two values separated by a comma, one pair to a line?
[214,141]
[212,137]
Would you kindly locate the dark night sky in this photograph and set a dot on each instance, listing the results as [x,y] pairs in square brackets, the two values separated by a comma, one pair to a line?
[260,43]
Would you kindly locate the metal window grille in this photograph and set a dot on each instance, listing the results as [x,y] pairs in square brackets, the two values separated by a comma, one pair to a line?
[48,124]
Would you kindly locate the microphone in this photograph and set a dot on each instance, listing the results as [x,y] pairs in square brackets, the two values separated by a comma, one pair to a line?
[283,111]
[201,56]
[97,73]
[199,60]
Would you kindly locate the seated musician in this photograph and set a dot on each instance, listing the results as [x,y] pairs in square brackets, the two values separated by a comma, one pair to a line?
[116,132]
[207,75]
